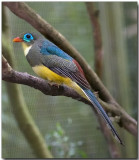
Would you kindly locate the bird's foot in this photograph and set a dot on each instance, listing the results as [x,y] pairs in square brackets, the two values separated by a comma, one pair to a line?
[54,84]
[96,94]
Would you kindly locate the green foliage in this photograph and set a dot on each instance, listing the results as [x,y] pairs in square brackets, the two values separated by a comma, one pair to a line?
[61,145]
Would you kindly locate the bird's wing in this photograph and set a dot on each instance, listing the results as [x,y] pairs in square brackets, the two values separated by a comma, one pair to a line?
[75,76]
[49,48]
[65,68]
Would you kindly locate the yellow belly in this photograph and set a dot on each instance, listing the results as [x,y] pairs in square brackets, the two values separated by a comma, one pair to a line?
[47,74]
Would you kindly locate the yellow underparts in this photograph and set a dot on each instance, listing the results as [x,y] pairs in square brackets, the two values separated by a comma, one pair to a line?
[47,74]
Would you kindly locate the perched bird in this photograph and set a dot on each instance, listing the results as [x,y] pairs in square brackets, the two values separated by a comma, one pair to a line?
[53,64]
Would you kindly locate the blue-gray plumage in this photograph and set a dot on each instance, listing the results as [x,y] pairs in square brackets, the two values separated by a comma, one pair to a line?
[48,48]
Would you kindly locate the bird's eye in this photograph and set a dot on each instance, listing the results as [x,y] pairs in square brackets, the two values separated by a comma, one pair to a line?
[28,37]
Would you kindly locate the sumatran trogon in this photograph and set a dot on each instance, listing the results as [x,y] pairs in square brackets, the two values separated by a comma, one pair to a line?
[53,64]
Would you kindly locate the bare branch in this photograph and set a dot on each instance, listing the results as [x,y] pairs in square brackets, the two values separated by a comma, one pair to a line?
[93,14]
[51,89]
[9,75]
[96,30]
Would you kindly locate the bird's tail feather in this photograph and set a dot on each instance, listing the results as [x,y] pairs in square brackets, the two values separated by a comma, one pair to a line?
[100,110]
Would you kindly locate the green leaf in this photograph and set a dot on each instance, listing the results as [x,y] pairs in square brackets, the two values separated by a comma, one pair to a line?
[83,154]
[60,130]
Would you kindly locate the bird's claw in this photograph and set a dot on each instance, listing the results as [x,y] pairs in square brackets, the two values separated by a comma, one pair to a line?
[54,85]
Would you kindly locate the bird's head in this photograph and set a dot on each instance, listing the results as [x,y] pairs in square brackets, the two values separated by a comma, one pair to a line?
[27,38]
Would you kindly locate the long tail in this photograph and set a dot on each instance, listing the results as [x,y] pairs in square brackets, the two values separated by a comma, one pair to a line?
[99,108]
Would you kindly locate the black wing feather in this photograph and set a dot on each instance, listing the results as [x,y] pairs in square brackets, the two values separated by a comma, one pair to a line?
[75,76]
[65,68]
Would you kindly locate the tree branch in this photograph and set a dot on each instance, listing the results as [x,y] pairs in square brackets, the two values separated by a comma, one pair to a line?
[9,75]
[93,14]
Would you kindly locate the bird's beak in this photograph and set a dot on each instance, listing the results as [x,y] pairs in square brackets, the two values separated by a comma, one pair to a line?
[17,39]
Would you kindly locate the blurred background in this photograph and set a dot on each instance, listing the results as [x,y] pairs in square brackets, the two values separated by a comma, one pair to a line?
[69,127]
